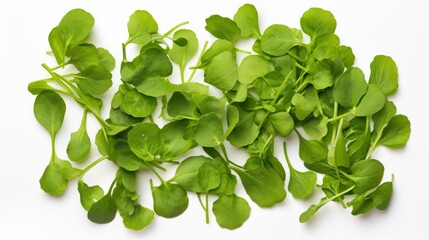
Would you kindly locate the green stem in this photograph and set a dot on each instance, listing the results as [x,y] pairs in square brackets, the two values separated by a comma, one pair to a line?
[296,58]
[57,78]
[207,208]
[60,66]
[111,186]
[198,61]
[156,173]
[335,118]
[263,149]
[124,52]
[174,28]
[242,51]
[287,157]
[91,166]
[336,196]
[300,66]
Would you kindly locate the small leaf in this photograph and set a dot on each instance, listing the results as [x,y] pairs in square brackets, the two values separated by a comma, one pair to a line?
[49,110]
[384,74]
[103,211]
[140,25]
[208,177]
[182,54]
[223,28]
[396,133]
[282,123]
[366,174]
[187,173]
[311,151]
[317,21]
[94,80]
[137,104]
[278,39]
[350,88]
[209,131]
[170,200]
[247,20]
[222,71]
[89,195]
[251,68]
[372,102]
[231,211]
[139,219]
[52,181]
[79,145]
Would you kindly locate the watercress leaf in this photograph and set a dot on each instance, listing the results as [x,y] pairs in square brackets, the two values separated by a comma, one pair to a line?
[145,141]
[209,131]
[372,102]
[106,59]
[169,200]
[182,54]
[383,117]
[247,20]
[317,21]
[384,74]
[149,63]
[49,110]
[37,87]
[396,133]
[223,28]
[139,219]
[316,128]
[209,104]
[75,26]
[129,180]
[358,149]
[321,74]
[140,25]
[137,104]
[251,68]
[346,54]
[122,155]
[233,117]
[179,106]
[304,105]
[126,201]
[231,211]
[282,123]
[222,71]
[326,47]
[89,194]
[340,157]
[218,47]
[52,181]
[79,145]
[311,151]
[350,88]
[121,120]
[278,39]
[209,177]
[309,213]
[173,141]
[261,182]
[94,80]
[156,86]
[187,173]
[103,211]
[366,175]
[58,45]
[382,195]
[83,55]
[245,132]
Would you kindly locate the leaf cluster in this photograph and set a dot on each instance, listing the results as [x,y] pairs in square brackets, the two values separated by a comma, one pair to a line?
[283,86]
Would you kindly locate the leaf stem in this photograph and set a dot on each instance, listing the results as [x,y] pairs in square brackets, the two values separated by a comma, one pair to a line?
[156,173]
[207,208]
[174,28]
[91,166]
[198,61]
[242,51]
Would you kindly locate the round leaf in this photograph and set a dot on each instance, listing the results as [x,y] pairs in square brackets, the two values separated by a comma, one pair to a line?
[169,200]
[278,39]
[350,88]
[231,211]
[49,110]
[317,21]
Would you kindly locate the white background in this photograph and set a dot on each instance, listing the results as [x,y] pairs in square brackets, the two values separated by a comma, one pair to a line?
[396,28]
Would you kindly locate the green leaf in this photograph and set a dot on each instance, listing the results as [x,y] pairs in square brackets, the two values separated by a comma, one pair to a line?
[49,110]
[261,182]
[209,104]
[209,131]
[37,87]
[322,76]
[52,181]
[245,132]
[326,47]
[282,123]
[122,155]
[94,80]
[251,68]
[372,102]
[173,141]
[350,88]
[233,117]
[311,151]
[139,219]
[140,25]
[89,194]
[379,198]
[304,105]
[217,47]
[231,211]
[383,117]
[309,213]
[137,104]
[396,133]
[223,28]
[301,184]
[74,27]
[340,157]
[179,106]
[187,173]
[278,39]
[102,211]
[152,62]
[317,21]
[83,56]
[316,128]
[222,71]
[384,74]
[366,174]
[157,87]
[79,145]
[169,200]
[182,54]
[209,177]
[106,59]
[145,141]
[246,19]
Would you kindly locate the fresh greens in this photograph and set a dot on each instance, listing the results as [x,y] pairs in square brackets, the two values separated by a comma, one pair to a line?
[285,85]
